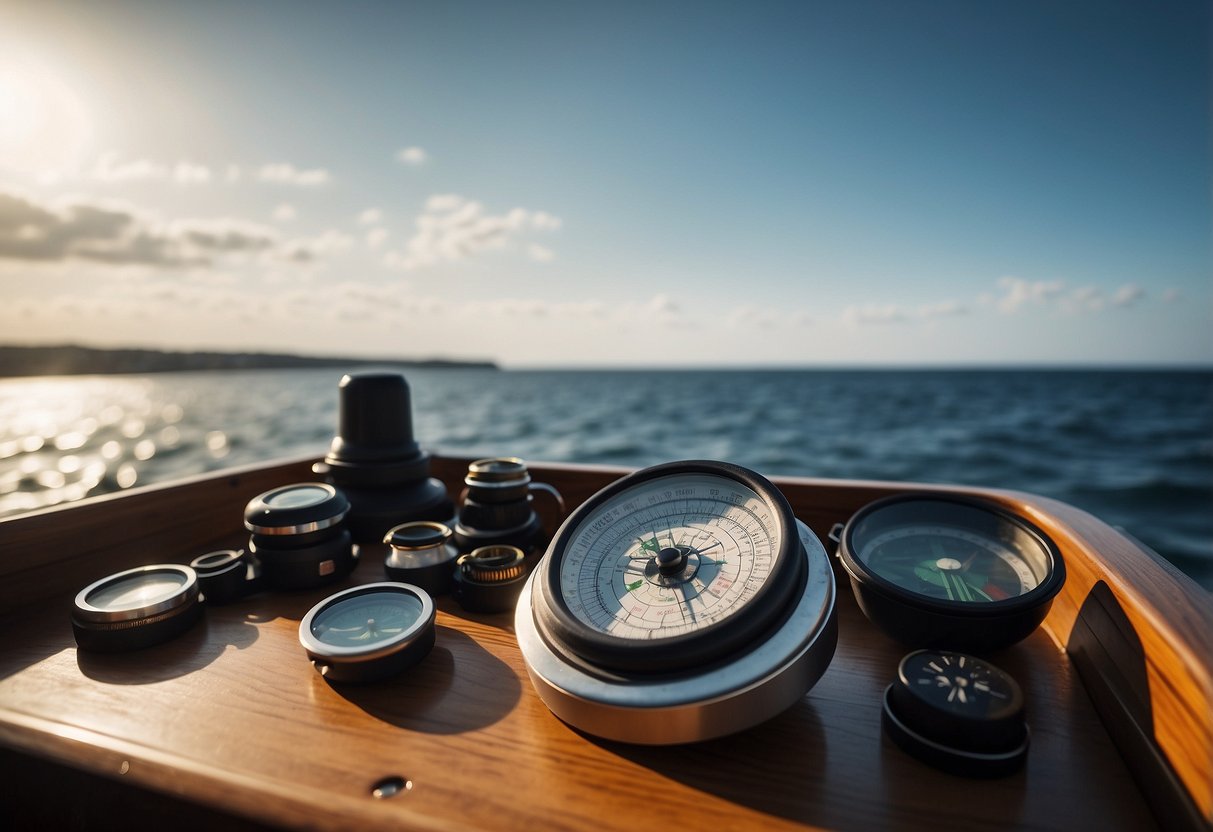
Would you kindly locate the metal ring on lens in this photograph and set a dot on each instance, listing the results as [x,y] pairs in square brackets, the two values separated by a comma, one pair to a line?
[497,472]
[493,564]
[217,563]
[261,508]
[426,534]
[181,595]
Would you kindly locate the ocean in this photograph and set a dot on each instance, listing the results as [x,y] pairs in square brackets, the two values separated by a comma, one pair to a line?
[1134,448]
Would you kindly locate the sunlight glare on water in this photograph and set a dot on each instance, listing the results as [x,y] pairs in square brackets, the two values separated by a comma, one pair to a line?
[1133,448]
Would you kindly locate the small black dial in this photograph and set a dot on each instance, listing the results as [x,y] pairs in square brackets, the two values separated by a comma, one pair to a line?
[957,712]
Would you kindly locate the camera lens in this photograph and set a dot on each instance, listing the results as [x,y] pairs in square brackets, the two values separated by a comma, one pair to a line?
[226,575]
[298,535]
[489,579]
[496,508]
[136,608]
[421,554]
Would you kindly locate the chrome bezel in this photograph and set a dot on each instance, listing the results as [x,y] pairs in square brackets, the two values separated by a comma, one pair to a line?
[87,613]
[699,703]
[298,528]
[317,649]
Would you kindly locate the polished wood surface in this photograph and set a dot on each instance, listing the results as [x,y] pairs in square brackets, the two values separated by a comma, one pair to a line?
[232,716]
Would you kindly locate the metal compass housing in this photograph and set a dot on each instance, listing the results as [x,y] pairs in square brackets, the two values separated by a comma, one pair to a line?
[680,603]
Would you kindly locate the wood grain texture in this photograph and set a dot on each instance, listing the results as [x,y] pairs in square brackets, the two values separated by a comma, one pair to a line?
[232,715]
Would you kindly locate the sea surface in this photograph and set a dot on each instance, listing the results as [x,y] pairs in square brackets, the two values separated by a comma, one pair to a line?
[1135,448]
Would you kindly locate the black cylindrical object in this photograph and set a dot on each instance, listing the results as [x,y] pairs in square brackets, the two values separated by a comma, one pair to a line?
[376,461]
[489,579]
[421,553]
[299,535]
[227,575]
[496,507]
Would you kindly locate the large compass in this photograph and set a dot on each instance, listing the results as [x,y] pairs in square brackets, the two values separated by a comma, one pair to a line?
[682,602]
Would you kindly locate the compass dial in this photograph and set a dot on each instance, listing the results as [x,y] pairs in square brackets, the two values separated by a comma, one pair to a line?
[692,556]
[366,620]
[672,568]
[369,632]
[957,712]
[951,563]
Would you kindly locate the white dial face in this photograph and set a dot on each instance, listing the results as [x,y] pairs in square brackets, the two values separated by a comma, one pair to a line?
[669,556]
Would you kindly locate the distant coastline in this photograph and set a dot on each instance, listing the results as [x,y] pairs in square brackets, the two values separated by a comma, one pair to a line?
[71,359]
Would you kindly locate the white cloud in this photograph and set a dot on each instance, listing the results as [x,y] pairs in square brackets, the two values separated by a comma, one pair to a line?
[1128,295]
[452,228]
[371,216]
[873,314]
[1017,292]
[413,156]
[539,253]
[376,237]
[439,203]
[284,173]
[1171,295]
[309,249]
[1086,297]
[111,170]
[942,309]
[662,308]
[106,232]
[79,229]
[285,212]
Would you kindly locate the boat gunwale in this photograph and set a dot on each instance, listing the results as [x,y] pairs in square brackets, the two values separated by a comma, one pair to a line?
[1171,611]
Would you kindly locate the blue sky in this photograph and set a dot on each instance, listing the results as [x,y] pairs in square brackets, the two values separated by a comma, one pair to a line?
[612,184]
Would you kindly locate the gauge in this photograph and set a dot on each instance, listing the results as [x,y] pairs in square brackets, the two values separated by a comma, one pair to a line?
[958,713]
[369,632]
[136,608]
[682,602]
[937,570]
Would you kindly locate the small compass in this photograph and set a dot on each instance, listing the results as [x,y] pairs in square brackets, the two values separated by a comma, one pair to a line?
[369,632]
[936,570]
[958,713]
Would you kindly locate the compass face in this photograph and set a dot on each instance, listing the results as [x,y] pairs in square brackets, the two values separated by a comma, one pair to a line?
[369,632]
[669,557]
[950,563]
[949,551]
[673,567]
[367,620]
[960,684]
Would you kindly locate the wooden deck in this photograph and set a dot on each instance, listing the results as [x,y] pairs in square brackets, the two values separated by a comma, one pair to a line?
[232,722]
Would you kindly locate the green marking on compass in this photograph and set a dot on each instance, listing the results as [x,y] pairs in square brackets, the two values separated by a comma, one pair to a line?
[650,545]
[634,585]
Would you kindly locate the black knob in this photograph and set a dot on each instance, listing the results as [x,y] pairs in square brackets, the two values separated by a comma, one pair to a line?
[375,421]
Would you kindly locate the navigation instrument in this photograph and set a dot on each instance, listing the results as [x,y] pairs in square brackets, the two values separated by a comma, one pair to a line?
[957,713]
[369,632]
[680,603]
[941,571]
